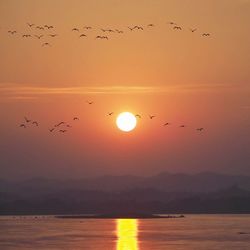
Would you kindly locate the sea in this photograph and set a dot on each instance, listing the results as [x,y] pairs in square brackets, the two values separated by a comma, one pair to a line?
[194,232]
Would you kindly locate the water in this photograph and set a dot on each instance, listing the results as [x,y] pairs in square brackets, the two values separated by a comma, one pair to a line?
[195,232]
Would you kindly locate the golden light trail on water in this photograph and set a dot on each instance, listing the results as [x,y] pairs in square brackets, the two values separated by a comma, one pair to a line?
[127,234]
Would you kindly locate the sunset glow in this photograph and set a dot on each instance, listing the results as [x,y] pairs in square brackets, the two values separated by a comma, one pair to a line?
[126,121]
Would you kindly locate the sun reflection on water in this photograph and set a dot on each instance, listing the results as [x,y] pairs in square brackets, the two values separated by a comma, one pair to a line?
[127,233]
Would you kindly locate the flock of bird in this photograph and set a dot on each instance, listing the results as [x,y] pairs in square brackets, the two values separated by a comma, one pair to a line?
[46,31]
[63,127]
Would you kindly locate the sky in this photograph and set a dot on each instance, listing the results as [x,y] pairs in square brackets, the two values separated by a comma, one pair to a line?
[179,76]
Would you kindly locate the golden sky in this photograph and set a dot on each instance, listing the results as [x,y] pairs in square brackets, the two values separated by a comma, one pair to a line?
[180,76]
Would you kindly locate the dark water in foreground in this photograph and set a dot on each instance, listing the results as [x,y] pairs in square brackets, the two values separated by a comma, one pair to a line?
[195,232]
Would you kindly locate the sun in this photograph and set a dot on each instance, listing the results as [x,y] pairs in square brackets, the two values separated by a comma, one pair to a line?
[126,121]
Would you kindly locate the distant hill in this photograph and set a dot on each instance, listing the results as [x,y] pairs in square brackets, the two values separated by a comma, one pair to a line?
[163,193]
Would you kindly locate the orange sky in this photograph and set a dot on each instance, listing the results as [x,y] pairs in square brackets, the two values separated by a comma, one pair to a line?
[180,76]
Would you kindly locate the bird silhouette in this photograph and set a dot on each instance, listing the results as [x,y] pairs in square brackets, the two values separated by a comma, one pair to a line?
[119,31]
[193,30]
[49,26]
[22,126]
[82,35]
[131,29]
[12,32]
[206,34]
[45,45]
[166,124]
[68,126]
[87,27]
[59,124]
[39,27]
[62,130]
[30,24]
[76,119]
[182,126]
[52,129]
[172,23]
[102,37]
[138,27]
[26,119]
[151,116]
[111,113]
[90,102]
[151,25]
[200,129]
[138,116]
[53,35]
[39,37]
[177,28]
[26,35]
[75,29]
[35,123]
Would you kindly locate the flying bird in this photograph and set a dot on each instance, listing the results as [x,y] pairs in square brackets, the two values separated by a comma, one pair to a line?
[60,123]
[26,35]
[151,25]
[87,27]
[172,23]
[152,116]
[45,44]
[137,115]
[39,27]
[30,24]
[166,124]
[52,129]
[82,35]
[138,27]
[182,126]
[62,130]
[206,34]
[12,32]
[193,30]
[53,35]
[119,31]
[75,29]
[76,119]
[22,126]
[131,29]
[111,113]
[49,27]
[68,126]
[102,37]
[177,28]
[39,37]
[90,102]
[35,123]
[26,119]
[200,129]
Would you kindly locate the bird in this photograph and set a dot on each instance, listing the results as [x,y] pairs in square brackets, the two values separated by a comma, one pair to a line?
[137,115]
[60,123]
[151,25]
[62,130]
[151,116]
[87,27]
[76,119]
[119,31]
[177,28]
[166,124]
[82,35]
[40,27]
[182,126]
[45,44]
[26,35]
[30,24]
[39,37]
[52,129]
[200,129]
[131,29]
[26,119]
[206,34]
[90,102]
[22,126]
[35,123]
[172,23]
[49,27]
[138,27]
[68,126]
[75,29]
[111,113]
[102,37]
[193,30]
[12,32]
[53,35]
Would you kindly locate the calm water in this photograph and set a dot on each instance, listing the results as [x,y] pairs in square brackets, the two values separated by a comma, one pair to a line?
[195,232]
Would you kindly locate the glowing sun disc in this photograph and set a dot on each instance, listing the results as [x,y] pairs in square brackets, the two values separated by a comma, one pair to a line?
[126,121]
